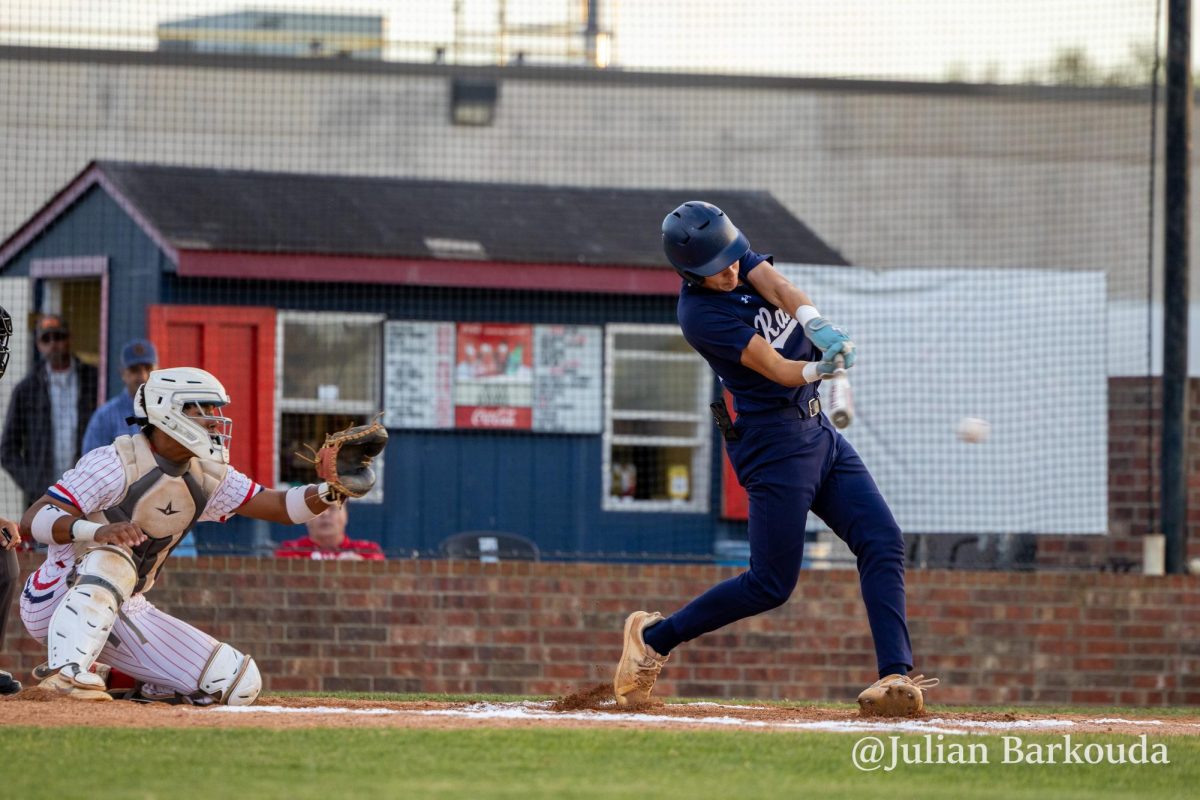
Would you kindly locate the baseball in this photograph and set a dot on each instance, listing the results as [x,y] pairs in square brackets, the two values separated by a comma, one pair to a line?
[972,430]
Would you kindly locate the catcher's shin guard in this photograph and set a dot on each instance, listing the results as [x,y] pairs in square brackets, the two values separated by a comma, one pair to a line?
[80,626]
[639,665]
[895,696]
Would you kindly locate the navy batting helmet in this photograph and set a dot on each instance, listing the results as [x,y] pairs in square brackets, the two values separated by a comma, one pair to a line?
[700,241]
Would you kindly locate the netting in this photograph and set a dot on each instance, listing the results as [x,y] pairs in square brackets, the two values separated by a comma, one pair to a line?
[449,211]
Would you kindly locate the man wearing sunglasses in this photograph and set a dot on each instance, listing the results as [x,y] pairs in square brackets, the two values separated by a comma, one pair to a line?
[49,410]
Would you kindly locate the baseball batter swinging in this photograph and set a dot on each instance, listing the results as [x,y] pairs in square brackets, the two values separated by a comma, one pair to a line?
[111,522]
[770,348]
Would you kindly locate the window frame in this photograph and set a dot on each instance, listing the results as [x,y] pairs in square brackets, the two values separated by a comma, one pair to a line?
[700,477]
[283,405]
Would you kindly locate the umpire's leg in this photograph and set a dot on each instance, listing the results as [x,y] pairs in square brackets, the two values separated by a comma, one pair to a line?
[10,574]
[851,504]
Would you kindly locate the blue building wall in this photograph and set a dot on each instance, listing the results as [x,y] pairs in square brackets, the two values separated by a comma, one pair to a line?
[97,226]
[436,483]
[545,486]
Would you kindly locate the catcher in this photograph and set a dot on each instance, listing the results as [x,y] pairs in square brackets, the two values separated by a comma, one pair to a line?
[111,522]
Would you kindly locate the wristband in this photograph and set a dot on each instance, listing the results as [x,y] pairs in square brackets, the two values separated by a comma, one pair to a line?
[297,505]
[83,530]
[805,314]
[809,373]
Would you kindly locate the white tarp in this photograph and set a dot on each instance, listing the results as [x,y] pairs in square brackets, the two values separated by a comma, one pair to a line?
[1025,350]
[1135,339]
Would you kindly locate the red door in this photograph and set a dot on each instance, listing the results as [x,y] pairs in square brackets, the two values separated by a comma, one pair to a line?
[237,345]
[734,502]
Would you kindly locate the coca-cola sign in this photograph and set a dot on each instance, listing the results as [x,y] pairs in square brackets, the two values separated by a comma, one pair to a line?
[494,417]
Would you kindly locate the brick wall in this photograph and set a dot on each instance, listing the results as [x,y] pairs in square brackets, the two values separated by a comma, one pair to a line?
[441,626]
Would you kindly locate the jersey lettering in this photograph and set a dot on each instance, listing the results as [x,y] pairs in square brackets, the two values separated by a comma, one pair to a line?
[775,328]
[720,325]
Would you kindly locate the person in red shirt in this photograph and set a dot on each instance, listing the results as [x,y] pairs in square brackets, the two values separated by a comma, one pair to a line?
[327,540]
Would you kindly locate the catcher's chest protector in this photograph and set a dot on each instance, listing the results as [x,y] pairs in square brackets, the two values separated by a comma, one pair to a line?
[161,498]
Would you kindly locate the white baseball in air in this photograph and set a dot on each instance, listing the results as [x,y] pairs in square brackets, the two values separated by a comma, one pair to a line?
[972,430]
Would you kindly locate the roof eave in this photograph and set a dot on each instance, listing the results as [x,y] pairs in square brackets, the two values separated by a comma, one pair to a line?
[92,175]
[547,277]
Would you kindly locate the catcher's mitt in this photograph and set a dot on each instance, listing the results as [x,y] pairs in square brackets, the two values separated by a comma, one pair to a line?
[344,461]
[895,696]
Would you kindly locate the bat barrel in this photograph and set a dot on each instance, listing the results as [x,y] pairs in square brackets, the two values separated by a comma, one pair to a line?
[841,406]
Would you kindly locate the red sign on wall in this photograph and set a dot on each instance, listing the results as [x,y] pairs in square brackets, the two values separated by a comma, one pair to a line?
[493,376]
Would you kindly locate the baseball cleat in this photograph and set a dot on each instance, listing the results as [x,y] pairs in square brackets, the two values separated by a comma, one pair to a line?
[76,685]
[8,684]
[639,665]
[895,696]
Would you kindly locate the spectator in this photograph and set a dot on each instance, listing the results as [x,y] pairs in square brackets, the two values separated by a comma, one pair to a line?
[138,360]
[49,409]
[327,539]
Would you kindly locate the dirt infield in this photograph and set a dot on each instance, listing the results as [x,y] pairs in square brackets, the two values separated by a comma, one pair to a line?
[590,708]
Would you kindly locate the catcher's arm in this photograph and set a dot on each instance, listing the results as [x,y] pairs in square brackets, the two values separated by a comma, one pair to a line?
[273,505]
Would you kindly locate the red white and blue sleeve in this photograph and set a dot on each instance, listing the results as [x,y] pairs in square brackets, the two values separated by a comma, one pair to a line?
[234,492]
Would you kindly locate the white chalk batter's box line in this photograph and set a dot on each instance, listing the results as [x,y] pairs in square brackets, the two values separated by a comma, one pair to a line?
[540,710]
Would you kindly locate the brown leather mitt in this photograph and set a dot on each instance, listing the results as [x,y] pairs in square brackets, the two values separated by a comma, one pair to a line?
[344,460]
[895,696]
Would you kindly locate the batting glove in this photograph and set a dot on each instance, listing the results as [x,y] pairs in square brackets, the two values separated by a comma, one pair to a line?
[830,340]
[827,367]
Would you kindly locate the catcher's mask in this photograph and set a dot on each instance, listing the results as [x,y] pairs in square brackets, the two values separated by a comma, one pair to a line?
[167,396]
[5,334]
[700,241]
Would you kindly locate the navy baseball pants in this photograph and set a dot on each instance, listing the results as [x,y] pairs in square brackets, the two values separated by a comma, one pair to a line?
[789,466]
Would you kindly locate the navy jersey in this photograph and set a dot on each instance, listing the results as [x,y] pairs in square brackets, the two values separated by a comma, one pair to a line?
[719,325]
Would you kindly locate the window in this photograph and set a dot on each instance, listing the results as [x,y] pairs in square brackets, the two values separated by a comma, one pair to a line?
[656,426]
[328,377]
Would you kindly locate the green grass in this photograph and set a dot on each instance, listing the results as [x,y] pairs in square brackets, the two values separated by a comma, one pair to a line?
[534,763]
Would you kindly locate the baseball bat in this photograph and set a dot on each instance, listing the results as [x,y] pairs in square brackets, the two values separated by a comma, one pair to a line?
[841,399]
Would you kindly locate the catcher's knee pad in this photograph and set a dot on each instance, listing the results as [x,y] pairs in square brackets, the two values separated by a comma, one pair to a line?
[231,677]
[80,625]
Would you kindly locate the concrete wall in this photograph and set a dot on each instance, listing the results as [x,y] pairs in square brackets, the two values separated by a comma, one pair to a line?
[440,626]
[890,174]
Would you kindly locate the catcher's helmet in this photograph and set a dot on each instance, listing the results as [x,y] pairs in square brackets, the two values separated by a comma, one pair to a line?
[700,241]
[161,401]
[5,334]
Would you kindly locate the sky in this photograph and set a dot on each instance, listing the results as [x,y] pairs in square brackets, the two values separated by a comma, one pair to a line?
[896,39]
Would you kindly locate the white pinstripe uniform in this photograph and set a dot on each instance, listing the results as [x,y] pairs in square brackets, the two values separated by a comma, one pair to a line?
[163,651]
